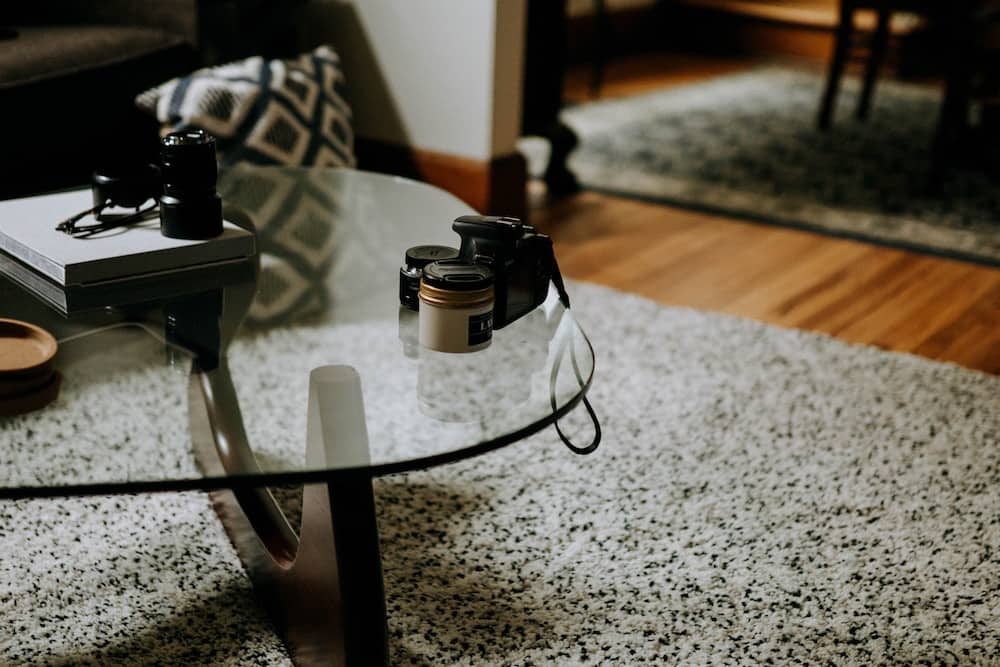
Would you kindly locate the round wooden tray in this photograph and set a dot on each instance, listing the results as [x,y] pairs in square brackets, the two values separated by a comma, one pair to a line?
[11,385]
[31,400]
[27,379]
[26,351]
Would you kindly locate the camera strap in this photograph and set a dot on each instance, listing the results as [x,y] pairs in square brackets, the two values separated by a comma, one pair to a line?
[117,188]
[557,278]
[553,377]
[597,432]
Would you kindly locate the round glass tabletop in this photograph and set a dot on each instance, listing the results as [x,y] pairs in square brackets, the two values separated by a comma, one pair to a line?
[290,368]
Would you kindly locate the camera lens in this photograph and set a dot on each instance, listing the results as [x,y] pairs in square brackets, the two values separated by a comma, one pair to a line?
[415,260]
[190,208]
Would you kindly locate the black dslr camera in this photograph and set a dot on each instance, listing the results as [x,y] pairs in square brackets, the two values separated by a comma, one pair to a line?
[521,259]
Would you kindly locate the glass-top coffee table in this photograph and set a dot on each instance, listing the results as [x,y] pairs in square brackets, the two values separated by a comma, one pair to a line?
[299,369]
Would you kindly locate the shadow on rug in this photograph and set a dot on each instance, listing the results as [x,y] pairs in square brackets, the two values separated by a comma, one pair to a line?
[747,145]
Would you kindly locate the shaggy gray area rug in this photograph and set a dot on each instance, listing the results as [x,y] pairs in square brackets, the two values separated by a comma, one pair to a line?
[762,496]
[747,145]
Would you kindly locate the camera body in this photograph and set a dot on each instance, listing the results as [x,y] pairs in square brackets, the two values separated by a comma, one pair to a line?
[521,259]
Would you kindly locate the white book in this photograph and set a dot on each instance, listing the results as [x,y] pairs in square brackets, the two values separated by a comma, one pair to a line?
[28,233]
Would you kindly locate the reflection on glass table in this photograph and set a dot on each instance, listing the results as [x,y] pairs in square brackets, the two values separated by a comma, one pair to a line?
[307,371]
[326,292]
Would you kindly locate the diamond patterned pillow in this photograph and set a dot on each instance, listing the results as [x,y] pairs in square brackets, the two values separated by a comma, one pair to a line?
[290,112]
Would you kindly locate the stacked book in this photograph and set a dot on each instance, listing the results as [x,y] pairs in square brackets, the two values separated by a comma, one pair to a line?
[124,265]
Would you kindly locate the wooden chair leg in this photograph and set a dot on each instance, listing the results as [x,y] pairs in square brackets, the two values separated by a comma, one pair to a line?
[841,48]
[601,41]
[953,116]
[880,42]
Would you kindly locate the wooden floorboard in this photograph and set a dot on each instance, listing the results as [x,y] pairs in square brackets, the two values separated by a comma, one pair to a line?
[863,293]
[894,299]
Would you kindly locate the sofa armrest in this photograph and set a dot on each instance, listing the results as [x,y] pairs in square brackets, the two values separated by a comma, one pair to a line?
[179,17]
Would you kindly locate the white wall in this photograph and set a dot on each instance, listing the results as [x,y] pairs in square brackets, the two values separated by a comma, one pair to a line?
[440,75]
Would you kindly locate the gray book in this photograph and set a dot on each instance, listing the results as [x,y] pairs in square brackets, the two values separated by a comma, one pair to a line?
[72,299]
[27,233]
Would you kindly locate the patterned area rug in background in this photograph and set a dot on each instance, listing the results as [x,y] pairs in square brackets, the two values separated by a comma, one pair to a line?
[762,496]
[747,145]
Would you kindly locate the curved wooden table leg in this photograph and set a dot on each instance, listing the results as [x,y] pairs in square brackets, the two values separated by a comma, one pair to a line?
[323,589]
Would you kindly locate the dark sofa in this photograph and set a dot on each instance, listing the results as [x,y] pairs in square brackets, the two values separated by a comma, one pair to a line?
[70,69]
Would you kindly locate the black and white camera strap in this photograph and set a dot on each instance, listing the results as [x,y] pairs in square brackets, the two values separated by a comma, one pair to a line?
[566,341]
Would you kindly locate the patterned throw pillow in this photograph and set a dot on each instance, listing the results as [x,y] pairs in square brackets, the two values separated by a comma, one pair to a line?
[290,112]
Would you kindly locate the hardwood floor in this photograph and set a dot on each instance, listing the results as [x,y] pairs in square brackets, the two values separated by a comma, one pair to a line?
[939,308]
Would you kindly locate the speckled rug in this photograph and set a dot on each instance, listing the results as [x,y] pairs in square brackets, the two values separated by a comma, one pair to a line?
[762,496]
[747,145]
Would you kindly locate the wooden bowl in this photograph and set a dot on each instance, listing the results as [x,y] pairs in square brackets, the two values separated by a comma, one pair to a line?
[30,401]
[26,351]
[16,385]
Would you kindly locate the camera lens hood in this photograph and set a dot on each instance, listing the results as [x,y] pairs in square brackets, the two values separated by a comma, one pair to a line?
[188,165]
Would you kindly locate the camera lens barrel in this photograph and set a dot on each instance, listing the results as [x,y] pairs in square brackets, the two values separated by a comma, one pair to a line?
[414,262]
[186,219]
[187,160]
[190,208]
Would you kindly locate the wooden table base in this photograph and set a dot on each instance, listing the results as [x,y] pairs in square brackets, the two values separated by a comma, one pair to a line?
[322,588]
